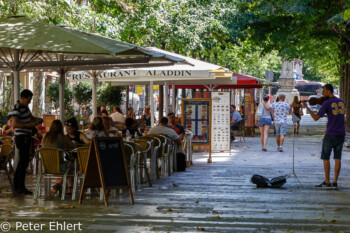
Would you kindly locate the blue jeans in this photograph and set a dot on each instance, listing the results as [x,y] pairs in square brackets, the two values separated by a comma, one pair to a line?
[330,142]
[264,121]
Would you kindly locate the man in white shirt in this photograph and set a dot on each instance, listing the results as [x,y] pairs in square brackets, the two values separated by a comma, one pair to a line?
[164,129]
[279,112]
[113,131]
[117,116]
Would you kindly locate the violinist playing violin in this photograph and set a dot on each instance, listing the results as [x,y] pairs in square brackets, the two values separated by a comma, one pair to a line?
[335,134]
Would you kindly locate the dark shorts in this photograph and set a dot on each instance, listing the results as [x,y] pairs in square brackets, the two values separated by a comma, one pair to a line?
[330,142]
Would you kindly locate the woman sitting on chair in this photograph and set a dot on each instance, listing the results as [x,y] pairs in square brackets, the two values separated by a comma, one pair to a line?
[7,130]
[56,138]
[97,129]
[73,133]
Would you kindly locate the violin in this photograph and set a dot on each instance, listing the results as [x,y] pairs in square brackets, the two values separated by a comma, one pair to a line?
[317,100]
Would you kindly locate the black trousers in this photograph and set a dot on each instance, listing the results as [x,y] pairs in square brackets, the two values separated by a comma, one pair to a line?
[23,143]
[234,127]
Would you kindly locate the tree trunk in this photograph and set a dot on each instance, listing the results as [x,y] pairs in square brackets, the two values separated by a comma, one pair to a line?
[345,80]
[161,101]
[37,97]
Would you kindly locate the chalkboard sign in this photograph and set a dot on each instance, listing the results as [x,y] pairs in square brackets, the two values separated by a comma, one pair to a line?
[106,167]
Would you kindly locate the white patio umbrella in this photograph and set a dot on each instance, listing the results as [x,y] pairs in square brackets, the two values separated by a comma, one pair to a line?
[33,45]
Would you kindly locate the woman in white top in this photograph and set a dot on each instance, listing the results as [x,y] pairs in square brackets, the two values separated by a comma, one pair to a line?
[97,129]
[265,122]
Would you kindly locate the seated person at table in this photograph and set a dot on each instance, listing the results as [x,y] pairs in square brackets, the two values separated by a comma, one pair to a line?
[235,118]
[97,129]
[128,126]
[117,115]
[104,113]
[113,131]
[179,129]
[8,130]
[130,113]
[73,133]
[42,129]
[56,138]
[145,131]
[164,129]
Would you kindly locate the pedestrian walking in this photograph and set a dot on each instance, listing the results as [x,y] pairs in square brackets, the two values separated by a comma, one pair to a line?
[265,122]
[279,112]
[298,112]
[23,123]
[334,136]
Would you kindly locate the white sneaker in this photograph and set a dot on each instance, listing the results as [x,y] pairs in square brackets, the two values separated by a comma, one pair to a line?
[280,149]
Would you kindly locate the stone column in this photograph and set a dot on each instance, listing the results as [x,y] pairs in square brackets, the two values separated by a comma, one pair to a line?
[287,82]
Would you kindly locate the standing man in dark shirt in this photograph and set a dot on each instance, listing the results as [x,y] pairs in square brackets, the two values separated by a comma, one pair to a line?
[23,122]
[335,134]
[179,129]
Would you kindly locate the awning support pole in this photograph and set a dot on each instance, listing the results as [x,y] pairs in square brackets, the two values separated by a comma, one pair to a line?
[16,78]
[166,99]
[16,86]
[61,93]
[94,94]
[151,100]
[173,99]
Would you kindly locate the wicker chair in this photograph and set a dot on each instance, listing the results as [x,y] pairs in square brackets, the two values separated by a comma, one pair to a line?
[82,156]
[50,167]
[143,147]
[153,153]
[132,163]
[5,161]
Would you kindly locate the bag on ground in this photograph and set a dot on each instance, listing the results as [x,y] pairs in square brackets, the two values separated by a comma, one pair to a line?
[278,181]
[260,181]
[181,161]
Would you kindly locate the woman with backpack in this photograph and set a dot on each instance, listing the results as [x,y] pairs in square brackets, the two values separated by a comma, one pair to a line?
[263,119]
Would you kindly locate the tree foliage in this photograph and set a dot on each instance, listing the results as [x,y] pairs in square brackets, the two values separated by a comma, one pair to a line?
[82,93]
[109,95]
[52,91]
[246,36]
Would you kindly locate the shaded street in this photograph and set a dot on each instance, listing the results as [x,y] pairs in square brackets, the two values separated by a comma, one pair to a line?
[215,197]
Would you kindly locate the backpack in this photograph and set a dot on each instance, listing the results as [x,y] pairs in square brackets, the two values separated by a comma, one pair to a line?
[181,161]
[260,181]
[278,181]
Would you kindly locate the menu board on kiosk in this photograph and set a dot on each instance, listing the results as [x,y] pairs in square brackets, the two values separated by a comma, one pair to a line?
[196,117]
[220,129]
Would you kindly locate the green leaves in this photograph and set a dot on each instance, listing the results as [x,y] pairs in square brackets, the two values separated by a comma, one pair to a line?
[109,95]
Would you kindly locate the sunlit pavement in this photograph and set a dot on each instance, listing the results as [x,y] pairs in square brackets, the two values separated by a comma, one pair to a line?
[216,197]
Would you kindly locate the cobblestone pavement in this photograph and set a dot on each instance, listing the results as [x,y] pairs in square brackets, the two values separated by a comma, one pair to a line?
[216,197]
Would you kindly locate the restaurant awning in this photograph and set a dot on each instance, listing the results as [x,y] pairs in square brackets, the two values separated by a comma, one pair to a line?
[194,70]
[238,81]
